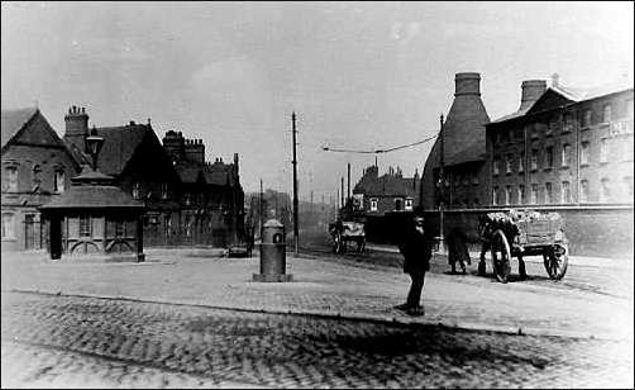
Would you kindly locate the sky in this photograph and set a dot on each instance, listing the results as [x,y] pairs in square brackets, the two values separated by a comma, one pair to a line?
[359,75]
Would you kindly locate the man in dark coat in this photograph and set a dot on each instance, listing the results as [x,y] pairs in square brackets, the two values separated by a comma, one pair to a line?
[416,247]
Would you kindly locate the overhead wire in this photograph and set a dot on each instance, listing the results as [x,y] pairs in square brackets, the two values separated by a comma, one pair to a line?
[378,151]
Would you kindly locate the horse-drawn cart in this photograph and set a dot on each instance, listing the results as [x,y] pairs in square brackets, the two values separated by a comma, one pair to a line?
[524,233]
[343,232]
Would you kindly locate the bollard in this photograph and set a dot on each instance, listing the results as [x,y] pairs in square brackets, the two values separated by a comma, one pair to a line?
[272,254]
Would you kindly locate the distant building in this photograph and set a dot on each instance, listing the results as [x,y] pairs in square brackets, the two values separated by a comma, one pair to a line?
[377,195]
[36,168]
[211,197]
[564,146]
[464,152]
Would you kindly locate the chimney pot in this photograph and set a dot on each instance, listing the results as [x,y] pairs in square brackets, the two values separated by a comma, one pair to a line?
[467,83]
[555,80]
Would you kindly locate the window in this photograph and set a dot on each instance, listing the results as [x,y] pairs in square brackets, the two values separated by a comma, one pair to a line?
[59,181]
[11,179]
[534,194]
[136,191]
[521,194]
[398,204]
[521,162]
[188,199]
[408,204]
[475,178]
[566,155]
[508,195]
[605,190]
[373,204]
[548,193]
[167,225]
[495,167]
[549,157]
[120,228]
[584,153]
[84,226]
[606,114]
[164,191]
[508,163]
[568,123]
[476,202]
[566,192]
[8,226]
[553,124]
[36,175]
[603,150]
[465,179]
[584,191]
[586,118]
[534,159]
[495,196]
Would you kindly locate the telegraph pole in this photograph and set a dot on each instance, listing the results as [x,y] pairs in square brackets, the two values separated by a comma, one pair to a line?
[295,188]
[260,209]
[348,191]
[441,186]
[342,193]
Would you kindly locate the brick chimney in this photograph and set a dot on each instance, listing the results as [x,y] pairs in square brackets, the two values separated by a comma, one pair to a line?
[467,83]
[195,150]
[531,91]
[174,144]
[76,127]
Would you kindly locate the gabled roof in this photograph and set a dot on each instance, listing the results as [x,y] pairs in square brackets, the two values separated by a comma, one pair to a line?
[13,121]
[120,144]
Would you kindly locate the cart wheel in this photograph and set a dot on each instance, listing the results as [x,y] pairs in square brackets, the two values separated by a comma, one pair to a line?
[556,261]
[501,256]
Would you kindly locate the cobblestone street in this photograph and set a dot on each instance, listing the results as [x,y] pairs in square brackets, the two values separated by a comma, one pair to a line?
[52,340]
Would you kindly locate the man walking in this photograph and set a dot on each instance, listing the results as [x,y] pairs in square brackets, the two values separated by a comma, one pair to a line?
[416,247]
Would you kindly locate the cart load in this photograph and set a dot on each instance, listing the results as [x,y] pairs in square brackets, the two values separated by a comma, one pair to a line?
[520,233]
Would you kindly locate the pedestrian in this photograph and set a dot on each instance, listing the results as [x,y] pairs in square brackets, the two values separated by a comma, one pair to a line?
[457,250]
[415,244]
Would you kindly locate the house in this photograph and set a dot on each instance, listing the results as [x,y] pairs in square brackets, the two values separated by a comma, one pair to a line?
[36,168]
[377,195]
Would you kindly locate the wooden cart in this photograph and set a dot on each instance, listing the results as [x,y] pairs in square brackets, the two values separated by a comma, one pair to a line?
[525,233]
[343,232]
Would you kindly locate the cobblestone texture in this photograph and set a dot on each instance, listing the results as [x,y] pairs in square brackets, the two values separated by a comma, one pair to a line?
[89,342]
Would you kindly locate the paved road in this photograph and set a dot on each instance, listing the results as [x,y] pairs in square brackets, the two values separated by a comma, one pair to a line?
[71,341]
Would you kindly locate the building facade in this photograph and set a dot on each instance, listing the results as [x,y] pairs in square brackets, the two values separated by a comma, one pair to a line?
[36,168]
[570,147]
[376,195]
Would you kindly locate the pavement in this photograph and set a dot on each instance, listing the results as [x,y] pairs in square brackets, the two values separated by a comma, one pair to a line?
[334,289]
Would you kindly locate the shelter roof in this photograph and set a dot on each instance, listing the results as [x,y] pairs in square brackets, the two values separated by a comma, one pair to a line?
[93,197]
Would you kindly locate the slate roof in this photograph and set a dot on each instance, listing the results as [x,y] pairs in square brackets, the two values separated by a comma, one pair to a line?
[219,174]
[120,144]
[386,185]
[572,93]
[93,197]
[13,120]
[188,171]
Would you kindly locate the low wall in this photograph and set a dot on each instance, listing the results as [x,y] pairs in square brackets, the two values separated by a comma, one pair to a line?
[592,231]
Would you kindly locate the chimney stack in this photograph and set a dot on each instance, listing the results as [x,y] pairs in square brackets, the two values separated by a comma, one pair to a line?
[531,91]
[467,83]
[555,80]
[76,127]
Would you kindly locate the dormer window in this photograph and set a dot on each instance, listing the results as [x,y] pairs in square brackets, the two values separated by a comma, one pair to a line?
[408,204]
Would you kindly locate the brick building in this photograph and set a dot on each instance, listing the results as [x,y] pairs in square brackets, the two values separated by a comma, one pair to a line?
[36,168]
[564,146]
[187,201]
[464,153]
[211,197]
[377,195]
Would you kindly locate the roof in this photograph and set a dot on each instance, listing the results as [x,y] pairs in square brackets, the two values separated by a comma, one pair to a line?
[219,174]
[575,94]
[120,144]
[93,197]
[188,171]
[386,185]
[13,121]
